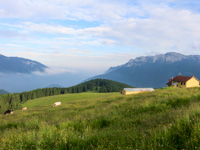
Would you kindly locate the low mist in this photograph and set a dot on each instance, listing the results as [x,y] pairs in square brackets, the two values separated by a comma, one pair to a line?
[15,83]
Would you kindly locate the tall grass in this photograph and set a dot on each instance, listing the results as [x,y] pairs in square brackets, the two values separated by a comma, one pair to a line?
[163,119]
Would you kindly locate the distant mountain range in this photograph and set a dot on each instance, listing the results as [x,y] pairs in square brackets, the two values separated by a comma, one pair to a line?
[19,65]
[154,71]
[3,91]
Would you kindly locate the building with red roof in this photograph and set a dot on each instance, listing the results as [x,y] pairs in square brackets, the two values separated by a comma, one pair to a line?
[183,82]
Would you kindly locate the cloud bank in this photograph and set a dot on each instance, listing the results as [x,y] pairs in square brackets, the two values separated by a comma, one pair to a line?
[85,34]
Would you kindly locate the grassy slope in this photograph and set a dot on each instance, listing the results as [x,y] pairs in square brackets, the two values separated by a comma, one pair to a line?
[164,119]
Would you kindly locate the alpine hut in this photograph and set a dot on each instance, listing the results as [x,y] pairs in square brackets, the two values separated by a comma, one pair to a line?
[183,82]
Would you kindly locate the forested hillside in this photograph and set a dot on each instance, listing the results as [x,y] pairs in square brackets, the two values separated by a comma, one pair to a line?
[99,85]
[13,101]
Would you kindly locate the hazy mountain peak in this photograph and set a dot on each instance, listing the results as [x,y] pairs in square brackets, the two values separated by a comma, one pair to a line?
[154,71]
[2,91]
[168,57]
[19,65]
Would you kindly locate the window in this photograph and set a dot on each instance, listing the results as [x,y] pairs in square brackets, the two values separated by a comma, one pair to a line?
[182,83]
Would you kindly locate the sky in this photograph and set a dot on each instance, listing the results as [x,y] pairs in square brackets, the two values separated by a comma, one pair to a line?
[94,35]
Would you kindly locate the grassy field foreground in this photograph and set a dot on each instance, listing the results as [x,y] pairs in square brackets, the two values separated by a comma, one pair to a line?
[163,119]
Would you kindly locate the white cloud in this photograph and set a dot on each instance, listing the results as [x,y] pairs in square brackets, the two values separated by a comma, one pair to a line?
[144,26]
[68,62]
[58,29]
[165,28]
[45,28]
[62,9]
[70,36]
[78,51]
[14,45]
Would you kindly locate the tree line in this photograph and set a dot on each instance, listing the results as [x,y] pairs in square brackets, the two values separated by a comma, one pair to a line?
[14,101]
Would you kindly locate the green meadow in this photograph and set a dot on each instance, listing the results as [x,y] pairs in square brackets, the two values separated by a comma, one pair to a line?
[164,119]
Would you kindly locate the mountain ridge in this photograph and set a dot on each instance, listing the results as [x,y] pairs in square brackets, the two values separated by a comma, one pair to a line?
[154,71]
[19,65]
[169,57]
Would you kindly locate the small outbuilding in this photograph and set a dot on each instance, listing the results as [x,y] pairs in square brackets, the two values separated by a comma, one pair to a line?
[128,91]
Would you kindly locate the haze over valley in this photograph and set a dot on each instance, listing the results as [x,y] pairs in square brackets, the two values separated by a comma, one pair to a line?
[64,43]
[145,71]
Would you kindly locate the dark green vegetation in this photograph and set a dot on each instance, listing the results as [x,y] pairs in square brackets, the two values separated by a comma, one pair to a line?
[163,119]
[13,101]
[99,85]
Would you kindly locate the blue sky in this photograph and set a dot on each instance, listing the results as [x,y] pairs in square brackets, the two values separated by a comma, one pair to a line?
[93,35]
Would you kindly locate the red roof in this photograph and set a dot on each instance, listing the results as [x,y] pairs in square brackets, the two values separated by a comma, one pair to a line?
[180,79]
